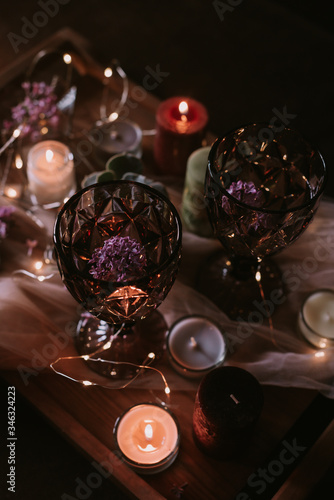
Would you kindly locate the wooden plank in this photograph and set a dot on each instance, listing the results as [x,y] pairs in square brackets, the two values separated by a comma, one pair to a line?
[20,62]
[79,436]
[311,470]
[73,410]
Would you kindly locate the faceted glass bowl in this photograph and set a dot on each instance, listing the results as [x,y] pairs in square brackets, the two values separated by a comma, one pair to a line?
[262,189]
[94,215]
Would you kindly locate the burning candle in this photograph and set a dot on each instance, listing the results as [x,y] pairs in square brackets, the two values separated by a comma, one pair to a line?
[147,437]
[195,345]
[50,171]
[228,404]
[180,128]
[316,318]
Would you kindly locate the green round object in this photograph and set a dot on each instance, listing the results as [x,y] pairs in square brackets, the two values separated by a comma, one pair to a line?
[123,163]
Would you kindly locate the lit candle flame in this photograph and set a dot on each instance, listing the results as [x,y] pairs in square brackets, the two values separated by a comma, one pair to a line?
[49,155]
[148,432]
[183,109]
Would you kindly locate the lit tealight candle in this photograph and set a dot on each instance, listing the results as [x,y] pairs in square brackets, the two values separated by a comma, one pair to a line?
[50,171]
[147,436]
[316,318]
[180,128]
[195,346]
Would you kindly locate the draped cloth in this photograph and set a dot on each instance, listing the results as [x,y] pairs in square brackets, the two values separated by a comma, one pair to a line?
[38,317]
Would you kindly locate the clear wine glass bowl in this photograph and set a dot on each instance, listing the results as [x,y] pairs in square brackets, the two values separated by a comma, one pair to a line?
[122,304]
[263,186]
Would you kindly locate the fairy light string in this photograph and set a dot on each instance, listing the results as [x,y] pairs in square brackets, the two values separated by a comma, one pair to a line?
[89,357]
[92,358]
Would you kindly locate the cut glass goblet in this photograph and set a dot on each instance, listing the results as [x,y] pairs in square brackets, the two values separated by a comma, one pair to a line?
[262,189]
[120,317]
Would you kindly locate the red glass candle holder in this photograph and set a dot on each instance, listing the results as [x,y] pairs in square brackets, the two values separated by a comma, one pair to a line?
[228,405]
[180,129]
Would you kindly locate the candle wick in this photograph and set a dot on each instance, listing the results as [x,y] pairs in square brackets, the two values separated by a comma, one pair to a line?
[234,399]
[193,342]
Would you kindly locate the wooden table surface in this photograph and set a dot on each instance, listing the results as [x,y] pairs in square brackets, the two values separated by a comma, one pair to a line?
[86,416]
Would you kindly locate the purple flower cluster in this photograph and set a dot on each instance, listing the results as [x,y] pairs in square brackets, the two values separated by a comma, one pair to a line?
[247,193]
[5,214]
[120,259]
[38,104]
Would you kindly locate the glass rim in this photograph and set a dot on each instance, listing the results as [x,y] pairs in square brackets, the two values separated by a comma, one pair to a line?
[60,146]
[212,157]
[156,193]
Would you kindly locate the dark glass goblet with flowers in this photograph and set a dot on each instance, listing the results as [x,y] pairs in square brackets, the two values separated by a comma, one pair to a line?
[262,189]
[118,246]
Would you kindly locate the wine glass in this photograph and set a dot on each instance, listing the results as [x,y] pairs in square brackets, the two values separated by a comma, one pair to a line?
[262,188]
[118,247]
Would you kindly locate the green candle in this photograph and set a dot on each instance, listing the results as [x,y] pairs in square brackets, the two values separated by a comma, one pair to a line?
[194,214]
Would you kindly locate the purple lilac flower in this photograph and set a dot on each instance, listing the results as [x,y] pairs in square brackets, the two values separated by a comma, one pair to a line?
[40,102]
[120,259]
[248,193]
[245,192]
[5,214]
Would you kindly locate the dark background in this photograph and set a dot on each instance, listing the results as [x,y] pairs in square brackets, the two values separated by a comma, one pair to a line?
[242,64]
[262,55]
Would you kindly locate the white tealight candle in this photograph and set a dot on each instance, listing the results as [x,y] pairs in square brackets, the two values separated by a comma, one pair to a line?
[120,136]
[195,346]
[316,319]
[147,437]
[50,171]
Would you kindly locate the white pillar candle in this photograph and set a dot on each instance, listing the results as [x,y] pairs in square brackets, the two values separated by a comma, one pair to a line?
[316,318]
[147,437]
[50,171]
[195,346]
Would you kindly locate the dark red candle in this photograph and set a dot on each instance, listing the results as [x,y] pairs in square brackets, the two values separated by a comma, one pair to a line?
[228,404]
[180,128]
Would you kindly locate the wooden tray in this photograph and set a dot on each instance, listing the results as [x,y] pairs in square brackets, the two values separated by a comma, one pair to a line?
[86,416]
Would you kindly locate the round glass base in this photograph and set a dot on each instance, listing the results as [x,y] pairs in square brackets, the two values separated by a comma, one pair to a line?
[128,349]
[243,290]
